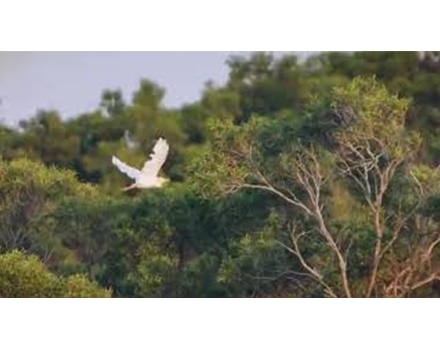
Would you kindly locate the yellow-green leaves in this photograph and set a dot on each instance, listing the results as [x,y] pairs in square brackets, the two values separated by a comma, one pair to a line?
[29,193]
[226,163]
[23,276]
[370,114]
[427,178]
[78,286]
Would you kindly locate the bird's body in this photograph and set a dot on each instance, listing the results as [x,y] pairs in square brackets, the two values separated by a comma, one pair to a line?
[147,177]
[150,183]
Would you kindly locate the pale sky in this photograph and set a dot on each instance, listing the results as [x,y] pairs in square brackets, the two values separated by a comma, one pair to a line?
[72,82]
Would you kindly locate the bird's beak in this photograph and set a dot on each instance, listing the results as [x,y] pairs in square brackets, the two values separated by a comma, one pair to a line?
[128,188]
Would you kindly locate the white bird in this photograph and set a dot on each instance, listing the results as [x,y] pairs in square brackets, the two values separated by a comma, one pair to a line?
[129,141]
[147,177]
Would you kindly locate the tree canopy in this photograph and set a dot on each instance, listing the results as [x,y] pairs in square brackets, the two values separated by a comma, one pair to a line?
[296,178]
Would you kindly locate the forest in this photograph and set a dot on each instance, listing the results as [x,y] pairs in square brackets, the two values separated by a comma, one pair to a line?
[316,177]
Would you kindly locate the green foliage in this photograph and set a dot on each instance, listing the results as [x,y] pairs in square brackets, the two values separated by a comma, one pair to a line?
[113,102]
[154,273]
[266,85]
[84,225]
[224,164]
[30,192]
[24,276]
[78,286]
[278,126]
[47,138]
[370,148]
[427,178]
[256,263]
[371,114]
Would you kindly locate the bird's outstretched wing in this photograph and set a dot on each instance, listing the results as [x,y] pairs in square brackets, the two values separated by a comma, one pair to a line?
[126,169]
[157,159]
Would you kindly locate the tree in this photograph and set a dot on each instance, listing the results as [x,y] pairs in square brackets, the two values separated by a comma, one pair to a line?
[407,73]
[371,153]
[292,179]
[267,86]
[23,276]
[85,226]
[30,192]
[47,139]
[8,138]
[256,265]
[112,102]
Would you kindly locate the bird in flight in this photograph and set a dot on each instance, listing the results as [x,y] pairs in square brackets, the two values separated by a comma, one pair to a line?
[147,177]
[129,141]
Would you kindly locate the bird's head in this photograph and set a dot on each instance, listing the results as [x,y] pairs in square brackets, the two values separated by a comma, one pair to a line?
[163,181]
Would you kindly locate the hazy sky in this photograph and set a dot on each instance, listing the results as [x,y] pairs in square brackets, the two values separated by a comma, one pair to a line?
[72,82]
